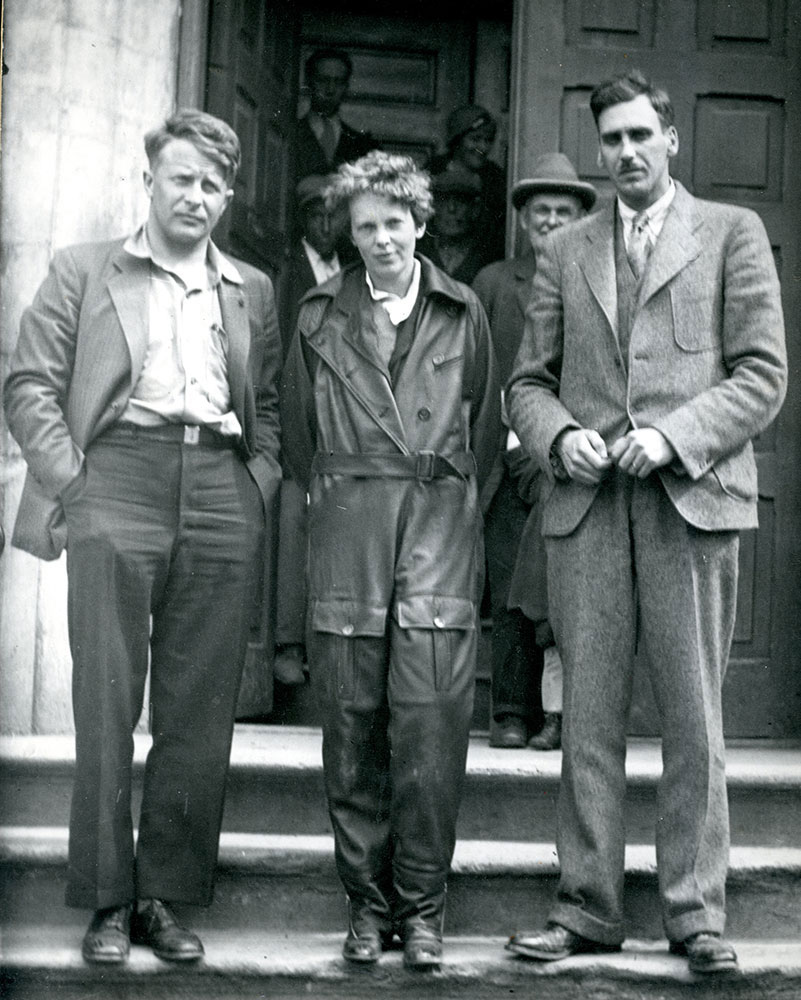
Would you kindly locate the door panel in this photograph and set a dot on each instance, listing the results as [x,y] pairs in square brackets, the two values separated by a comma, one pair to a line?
[734,82]
[252,84]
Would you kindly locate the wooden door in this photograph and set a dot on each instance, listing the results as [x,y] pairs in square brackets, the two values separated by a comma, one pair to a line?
[252,84]
[732,70]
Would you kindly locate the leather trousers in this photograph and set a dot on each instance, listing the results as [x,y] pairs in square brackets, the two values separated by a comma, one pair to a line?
[396,715]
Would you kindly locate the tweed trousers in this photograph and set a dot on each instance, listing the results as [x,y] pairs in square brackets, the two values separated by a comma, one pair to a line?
[635,571]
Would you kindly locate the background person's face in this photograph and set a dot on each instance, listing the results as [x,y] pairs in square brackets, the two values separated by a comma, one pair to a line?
[474,147]
[328,86]
[318,228]
[455,214]
[543,213]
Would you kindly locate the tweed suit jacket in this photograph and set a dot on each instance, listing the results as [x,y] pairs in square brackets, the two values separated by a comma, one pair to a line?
[80,351]
[706,363]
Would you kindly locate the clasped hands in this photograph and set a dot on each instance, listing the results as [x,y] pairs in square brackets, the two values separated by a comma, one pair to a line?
[586,459]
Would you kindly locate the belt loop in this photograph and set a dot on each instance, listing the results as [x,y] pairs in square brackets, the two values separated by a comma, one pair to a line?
[425,466]
[191,433]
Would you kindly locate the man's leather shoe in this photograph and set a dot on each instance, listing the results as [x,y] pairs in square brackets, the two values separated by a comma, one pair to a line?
[108,938]
[706,952]
[554,943]
[550,736]
[509,733]
[422,948]
[154,924]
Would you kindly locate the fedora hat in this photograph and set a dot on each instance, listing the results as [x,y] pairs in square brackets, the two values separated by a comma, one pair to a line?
[553,173]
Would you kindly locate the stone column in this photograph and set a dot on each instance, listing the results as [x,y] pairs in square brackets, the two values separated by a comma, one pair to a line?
[86,80]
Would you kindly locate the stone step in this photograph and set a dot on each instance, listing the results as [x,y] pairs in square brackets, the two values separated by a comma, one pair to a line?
[39,961]
[276,785]
[289,882]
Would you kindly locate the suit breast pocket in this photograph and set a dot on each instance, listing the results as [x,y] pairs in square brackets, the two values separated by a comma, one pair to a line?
[696,318]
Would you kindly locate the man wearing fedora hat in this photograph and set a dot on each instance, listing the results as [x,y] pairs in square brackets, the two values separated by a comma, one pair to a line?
[526,669]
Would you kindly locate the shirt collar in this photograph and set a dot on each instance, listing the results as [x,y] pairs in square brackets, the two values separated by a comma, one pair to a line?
[316,116]
[314,254]
[138,245]
[654,214]
[398,307]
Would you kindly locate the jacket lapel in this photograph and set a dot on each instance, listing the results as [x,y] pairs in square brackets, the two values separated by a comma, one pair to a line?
[598,264]
[128,289]
[677,245]
[336,341]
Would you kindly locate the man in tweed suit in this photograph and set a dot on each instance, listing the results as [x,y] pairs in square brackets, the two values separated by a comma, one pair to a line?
[653,353]
[143,393]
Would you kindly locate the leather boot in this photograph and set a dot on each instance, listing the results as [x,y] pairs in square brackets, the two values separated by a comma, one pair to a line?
[367,935]
[422,943]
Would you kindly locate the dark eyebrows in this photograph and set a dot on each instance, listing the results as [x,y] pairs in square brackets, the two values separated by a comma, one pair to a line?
[638,131]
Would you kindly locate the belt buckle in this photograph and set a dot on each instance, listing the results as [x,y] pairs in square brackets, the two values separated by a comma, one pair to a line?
[425,466]
[191,434]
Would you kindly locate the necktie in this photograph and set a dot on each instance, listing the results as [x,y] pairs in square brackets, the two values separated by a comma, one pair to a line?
[639,248]
[328,139]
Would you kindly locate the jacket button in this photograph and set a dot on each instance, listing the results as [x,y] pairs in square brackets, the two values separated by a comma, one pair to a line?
[439,622]
[347,629]
[424,413]
[438,359]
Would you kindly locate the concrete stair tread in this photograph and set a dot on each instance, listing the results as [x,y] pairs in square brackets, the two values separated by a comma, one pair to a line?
[294,853]
[313,962]
[293,749]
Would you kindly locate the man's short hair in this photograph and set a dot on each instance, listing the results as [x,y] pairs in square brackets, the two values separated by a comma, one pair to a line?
[211,136]
[388,175]
[627,87]
[320,54]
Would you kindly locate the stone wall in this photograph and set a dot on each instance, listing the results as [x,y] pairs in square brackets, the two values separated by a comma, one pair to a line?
[86,79]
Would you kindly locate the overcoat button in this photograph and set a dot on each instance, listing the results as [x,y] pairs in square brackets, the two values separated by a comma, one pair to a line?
[424,413]
[439,622]
[438,359]
[347,629]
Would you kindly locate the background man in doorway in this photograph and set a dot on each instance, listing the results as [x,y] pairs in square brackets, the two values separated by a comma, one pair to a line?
[313,260]
[323,139]
[526,668]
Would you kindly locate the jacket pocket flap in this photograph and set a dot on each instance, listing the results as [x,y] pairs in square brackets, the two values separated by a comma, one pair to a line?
[348,618]
[433,612]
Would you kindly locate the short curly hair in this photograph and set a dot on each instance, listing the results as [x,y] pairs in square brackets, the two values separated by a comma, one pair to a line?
[211,136]
[389,175]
